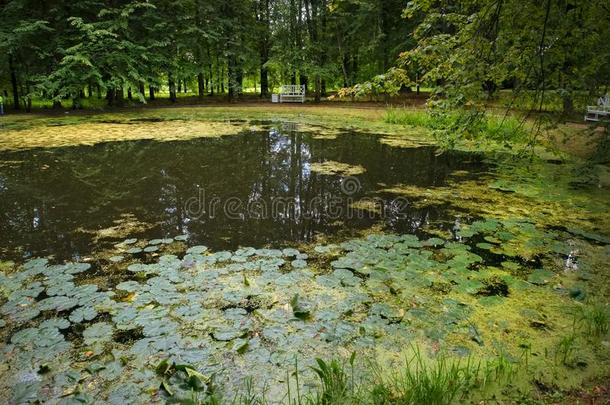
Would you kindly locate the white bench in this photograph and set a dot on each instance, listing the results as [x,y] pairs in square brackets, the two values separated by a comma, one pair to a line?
[600,111]
[597,112]
[292,94]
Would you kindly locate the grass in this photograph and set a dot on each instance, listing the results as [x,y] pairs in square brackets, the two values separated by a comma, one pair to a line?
[595,320]
[565,349]
[490,127]
[420,380]
[436,380]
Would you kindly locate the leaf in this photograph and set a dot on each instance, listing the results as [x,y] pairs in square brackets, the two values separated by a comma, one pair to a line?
[100,332]
[196,383]
[297,310]
[83,314]
[241,345]
[540,276]
[191,372]
[166,388]
[163,367]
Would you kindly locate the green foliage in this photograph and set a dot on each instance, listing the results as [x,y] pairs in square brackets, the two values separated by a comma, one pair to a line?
[565,349]
[450,126]
[334,383]
[66,52]
[471,50]
[388,84]
[595,319]
[422,382]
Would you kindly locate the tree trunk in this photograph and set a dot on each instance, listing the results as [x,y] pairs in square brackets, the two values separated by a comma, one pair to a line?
[232,75]
[110,96]
[172,88]
[265,20]
[201,85]
[239,80]
[129,95]
[14,82]
[221,78]
[264,81]
[568,105]
[119,97]
[304,80]
[151,93]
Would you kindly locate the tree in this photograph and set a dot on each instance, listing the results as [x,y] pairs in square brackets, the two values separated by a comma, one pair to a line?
[472,49]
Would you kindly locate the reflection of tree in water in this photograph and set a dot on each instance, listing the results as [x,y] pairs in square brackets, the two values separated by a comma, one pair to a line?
[52,193]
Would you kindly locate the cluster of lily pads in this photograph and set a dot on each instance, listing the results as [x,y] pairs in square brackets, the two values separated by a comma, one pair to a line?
[229,314]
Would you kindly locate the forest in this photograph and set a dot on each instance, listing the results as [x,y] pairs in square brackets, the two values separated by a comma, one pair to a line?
[61,50]
[464,51]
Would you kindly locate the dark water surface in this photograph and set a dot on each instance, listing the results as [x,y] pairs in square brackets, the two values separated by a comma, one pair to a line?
[256,188]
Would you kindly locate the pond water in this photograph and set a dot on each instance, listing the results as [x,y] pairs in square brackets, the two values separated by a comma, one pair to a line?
[255,188]
[144,270]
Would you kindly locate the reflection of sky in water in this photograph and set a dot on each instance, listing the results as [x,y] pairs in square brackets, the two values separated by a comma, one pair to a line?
[91,188]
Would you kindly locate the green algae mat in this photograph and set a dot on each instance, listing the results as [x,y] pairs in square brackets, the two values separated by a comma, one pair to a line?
[220,268]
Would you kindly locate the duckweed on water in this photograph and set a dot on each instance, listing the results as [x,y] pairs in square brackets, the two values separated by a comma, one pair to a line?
[93,133]
[331,167]
[220,311]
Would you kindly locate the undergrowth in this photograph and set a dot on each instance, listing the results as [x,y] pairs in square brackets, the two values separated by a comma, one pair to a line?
[449,127]
[443,380]
[417,379]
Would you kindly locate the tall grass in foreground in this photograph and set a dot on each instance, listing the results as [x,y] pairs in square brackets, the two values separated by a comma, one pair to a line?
[422,382]
[448,126]
[419,380]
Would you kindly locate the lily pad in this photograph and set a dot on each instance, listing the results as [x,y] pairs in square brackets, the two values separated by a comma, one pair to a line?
[197,250]
[540,276]
[83,314]
[100,332]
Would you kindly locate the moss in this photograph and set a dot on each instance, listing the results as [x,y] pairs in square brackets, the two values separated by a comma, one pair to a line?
[369,205]
[494,286]
[125,226]
[331,167]
[93,133]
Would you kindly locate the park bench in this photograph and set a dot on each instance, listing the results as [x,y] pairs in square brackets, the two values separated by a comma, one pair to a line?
[292,94]
[599,112]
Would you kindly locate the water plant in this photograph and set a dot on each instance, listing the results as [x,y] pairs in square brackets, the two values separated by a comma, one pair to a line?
[595,319]
[439,382]
[218,311]
[565,349]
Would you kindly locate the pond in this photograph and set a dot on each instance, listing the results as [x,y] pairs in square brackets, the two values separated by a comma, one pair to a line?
[146,271]
[255,188]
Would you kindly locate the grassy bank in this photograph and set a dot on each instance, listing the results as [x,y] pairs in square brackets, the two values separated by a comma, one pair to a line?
[493,132]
